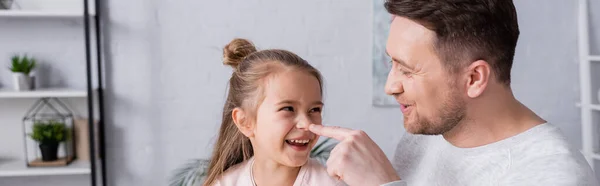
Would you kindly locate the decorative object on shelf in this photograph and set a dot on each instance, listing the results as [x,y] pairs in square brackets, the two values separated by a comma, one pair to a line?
[22,66]
[194,172]
[49,132]
[5,4]
[82,139]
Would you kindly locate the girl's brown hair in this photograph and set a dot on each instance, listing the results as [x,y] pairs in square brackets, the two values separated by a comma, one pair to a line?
[251,67]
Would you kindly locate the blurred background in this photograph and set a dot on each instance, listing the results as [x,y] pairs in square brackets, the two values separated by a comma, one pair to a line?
[165,84]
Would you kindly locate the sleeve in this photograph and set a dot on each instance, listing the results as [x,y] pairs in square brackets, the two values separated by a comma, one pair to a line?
[396,183]
[554,170]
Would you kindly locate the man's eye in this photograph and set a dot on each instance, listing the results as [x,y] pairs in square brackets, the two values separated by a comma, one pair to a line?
[318,109]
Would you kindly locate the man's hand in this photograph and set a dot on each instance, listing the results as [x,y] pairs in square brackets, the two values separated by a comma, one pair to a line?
[356,160]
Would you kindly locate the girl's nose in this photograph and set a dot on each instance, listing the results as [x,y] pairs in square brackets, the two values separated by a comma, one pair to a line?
[303,124]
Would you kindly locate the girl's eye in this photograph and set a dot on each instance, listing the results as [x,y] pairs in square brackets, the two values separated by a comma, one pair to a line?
[290,109]
[318,109]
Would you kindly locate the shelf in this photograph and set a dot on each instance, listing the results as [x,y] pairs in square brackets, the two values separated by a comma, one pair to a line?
[595,107]
[18,168]
[595,156]
[33,13]
[40,93]
[592,106]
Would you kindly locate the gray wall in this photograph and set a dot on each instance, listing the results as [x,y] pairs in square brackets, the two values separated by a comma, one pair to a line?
[166,85]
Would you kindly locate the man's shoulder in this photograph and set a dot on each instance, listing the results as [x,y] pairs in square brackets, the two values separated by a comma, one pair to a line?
[544,155]
[541,141]
[549,167]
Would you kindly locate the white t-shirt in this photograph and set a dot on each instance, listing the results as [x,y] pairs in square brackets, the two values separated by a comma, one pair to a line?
[538,156]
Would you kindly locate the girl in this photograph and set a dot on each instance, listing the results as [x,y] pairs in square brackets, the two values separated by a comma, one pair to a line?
[273,96]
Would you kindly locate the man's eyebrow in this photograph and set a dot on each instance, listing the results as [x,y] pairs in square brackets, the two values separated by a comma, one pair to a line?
[401,62]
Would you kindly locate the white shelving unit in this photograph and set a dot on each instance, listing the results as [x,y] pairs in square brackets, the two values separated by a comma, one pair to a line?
[587,106]
[41,93]
[34,13]
[51,10]
[47,9]
[16,168]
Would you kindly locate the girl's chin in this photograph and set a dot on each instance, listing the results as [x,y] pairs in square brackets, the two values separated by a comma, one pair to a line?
[296,159]
[296,162]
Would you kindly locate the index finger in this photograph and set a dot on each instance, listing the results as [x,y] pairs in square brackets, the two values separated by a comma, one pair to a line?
[334,132]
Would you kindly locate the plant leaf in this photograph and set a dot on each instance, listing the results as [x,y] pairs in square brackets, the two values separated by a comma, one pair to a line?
[49,132]
[22,64]
[190,173]
[316,148]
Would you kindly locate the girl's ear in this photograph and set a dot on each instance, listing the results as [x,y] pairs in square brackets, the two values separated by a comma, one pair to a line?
[242,122]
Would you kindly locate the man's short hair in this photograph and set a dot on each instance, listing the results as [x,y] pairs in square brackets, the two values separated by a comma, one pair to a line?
[467,30]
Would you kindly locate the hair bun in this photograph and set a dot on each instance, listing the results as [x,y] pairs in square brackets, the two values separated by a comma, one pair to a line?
[235,52]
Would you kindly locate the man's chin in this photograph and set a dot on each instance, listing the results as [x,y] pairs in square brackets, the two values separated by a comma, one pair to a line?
[412,127]
[416,128]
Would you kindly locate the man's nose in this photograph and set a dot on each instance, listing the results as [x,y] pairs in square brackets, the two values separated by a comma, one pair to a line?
[393,84]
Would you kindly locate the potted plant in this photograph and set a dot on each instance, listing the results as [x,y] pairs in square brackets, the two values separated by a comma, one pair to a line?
[21,67]
[49,135]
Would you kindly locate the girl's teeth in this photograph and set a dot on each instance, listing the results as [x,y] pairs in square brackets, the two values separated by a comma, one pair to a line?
[299,141]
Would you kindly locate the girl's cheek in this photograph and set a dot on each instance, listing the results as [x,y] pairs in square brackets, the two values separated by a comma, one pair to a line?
[316,118]
[286,121]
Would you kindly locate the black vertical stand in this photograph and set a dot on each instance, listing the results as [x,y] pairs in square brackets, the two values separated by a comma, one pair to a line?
[100,89]
[100,93]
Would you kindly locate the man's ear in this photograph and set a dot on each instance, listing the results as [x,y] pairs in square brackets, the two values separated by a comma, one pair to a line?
[242,122]
[479,73]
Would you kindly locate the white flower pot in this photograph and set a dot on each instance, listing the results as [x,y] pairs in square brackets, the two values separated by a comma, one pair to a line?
[22,82]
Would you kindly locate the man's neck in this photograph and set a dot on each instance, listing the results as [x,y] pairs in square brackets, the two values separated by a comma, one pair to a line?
[267,172]
[492,118]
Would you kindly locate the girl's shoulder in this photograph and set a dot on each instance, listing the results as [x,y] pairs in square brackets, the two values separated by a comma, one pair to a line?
[236,175]
[315,173]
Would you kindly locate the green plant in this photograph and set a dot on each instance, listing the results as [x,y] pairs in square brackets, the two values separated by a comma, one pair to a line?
[22,64]
[322,150]
[49,132]
[193,172]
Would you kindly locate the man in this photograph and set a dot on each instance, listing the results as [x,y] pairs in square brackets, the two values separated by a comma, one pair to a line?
[451,76]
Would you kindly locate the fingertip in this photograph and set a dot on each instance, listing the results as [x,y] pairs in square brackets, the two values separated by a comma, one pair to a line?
[315,128]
